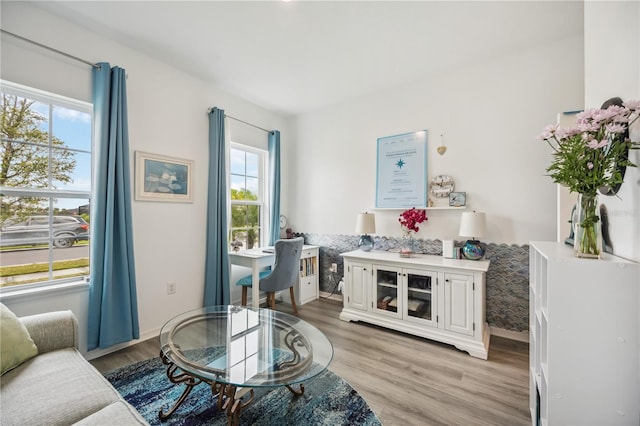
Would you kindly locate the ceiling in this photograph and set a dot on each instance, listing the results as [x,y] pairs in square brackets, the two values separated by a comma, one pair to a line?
[296,56]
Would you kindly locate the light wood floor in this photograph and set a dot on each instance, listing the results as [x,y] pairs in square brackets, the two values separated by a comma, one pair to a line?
[407,380]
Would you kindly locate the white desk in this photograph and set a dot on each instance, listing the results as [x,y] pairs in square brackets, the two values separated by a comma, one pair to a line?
[255,259]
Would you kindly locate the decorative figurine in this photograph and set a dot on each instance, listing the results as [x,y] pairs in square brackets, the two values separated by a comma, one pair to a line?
[235,245]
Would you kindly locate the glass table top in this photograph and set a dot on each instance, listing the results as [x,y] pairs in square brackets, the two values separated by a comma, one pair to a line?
[245,346]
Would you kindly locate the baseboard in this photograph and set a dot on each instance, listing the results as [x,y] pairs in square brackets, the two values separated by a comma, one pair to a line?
[97,353]
[520,336]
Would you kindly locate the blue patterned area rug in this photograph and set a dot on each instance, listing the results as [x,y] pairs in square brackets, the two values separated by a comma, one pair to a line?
[327,400]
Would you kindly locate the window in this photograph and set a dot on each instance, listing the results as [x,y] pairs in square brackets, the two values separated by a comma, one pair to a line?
[45,187]
[248,212]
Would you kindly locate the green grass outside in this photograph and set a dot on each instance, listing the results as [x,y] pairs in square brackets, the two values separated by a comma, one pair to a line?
[19,270]
[37,280]
[10,271]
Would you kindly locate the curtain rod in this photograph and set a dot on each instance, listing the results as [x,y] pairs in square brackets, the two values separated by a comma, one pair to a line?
[242,121]
[50,48]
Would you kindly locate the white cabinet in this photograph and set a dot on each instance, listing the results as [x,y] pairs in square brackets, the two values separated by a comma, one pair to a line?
[419,296]
[584,338]
[308,286]
[359,277]
[403,293]
[459,303]
[428,296]
[386,298]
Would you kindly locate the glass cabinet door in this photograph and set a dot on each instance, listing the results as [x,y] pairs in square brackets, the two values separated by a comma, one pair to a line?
[386,290]
[420,303]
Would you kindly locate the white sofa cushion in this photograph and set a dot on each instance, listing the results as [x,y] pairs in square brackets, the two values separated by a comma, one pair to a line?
[55,388]
[117,413]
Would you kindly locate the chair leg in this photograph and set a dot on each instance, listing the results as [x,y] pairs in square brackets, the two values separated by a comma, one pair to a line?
[272,299]
[244,295]
[293,300]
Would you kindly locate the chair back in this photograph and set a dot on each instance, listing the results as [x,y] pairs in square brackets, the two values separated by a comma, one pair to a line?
[286,270]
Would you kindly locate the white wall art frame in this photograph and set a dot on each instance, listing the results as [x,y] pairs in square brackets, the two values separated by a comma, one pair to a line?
[401,175]
[162,178]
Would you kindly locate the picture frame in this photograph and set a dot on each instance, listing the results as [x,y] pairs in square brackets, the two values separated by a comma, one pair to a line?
[163,178]
[457,199]
[401,171]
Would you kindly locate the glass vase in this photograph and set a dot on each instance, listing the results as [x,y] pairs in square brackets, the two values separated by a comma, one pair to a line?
[406,248]
[587,229]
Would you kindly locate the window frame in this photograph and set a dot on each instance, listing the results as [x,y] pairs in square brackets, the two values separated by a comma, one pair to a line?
[263,195]
[52,100]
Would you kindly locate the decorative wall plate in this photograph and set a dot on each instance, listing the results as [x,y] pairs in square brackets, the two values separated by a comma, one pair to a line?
[458,199]
[441,186]
[283,221]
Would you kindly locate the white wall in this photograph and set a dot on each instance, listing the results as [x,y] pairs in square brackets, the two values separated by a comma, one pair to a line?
[490,115]
[167,115]
[612,68]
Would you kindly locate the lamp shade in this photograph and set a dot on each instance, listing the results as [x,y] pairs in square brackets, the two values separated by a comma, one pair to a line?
[366,223]
[473,225]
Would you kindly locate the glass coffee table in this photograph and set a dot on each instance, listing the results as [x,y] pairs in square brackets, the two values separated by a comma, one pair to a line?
[234,349]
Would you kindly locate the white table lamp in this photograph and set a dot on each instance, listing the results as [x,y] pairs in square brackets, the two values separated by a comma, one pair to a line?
[473,225]
[366,224]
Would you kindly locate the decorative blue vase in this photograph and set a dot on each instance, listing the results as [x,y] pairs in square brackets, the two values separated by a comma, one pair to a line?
[365,243]
[472,250]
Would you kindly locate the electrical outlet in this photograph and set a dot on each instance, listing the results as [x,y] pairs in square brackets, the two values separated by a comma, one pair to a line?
[171,287]
[334,267]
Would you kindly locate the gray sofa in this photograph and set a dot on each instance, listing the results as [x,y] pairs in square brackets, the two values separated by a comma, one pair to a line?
[58,386]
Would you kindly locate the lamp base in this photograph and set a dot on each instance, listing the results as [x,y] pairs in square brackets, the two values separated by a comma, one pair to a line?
[365,243]
[472,250]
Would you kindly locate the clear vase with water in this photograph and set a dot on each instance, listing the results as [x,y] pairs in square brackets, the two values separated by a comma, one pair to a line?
[406,249]
[588,228]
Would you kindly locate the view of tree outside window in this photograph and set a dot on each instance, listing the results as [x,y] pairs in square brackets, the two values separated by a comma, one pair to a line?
[246,176]
[45,187]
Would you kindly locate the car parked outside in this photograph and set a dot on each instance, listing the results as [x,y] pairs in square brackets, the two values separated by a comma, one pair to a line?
[35,230]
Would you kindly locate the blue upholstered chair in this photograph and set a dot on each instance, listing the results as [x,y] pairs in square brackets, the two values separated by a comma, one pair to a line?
[284,274]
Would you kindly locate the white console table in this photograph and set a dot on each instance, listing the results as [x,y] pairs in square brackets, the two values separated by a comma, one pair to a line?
[428,296]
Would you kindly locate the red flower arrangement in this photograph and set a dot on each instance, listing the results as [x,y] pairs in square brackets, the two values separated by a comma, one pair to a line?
[410,219]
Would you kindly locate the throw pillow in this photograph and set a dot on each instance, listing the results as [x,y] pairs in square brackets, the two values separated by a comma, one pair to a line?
[16,345]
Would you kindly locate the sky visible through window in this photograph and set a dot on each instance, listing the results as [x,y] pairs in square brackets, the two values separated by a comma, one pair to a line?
[73,127]
[244,171]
